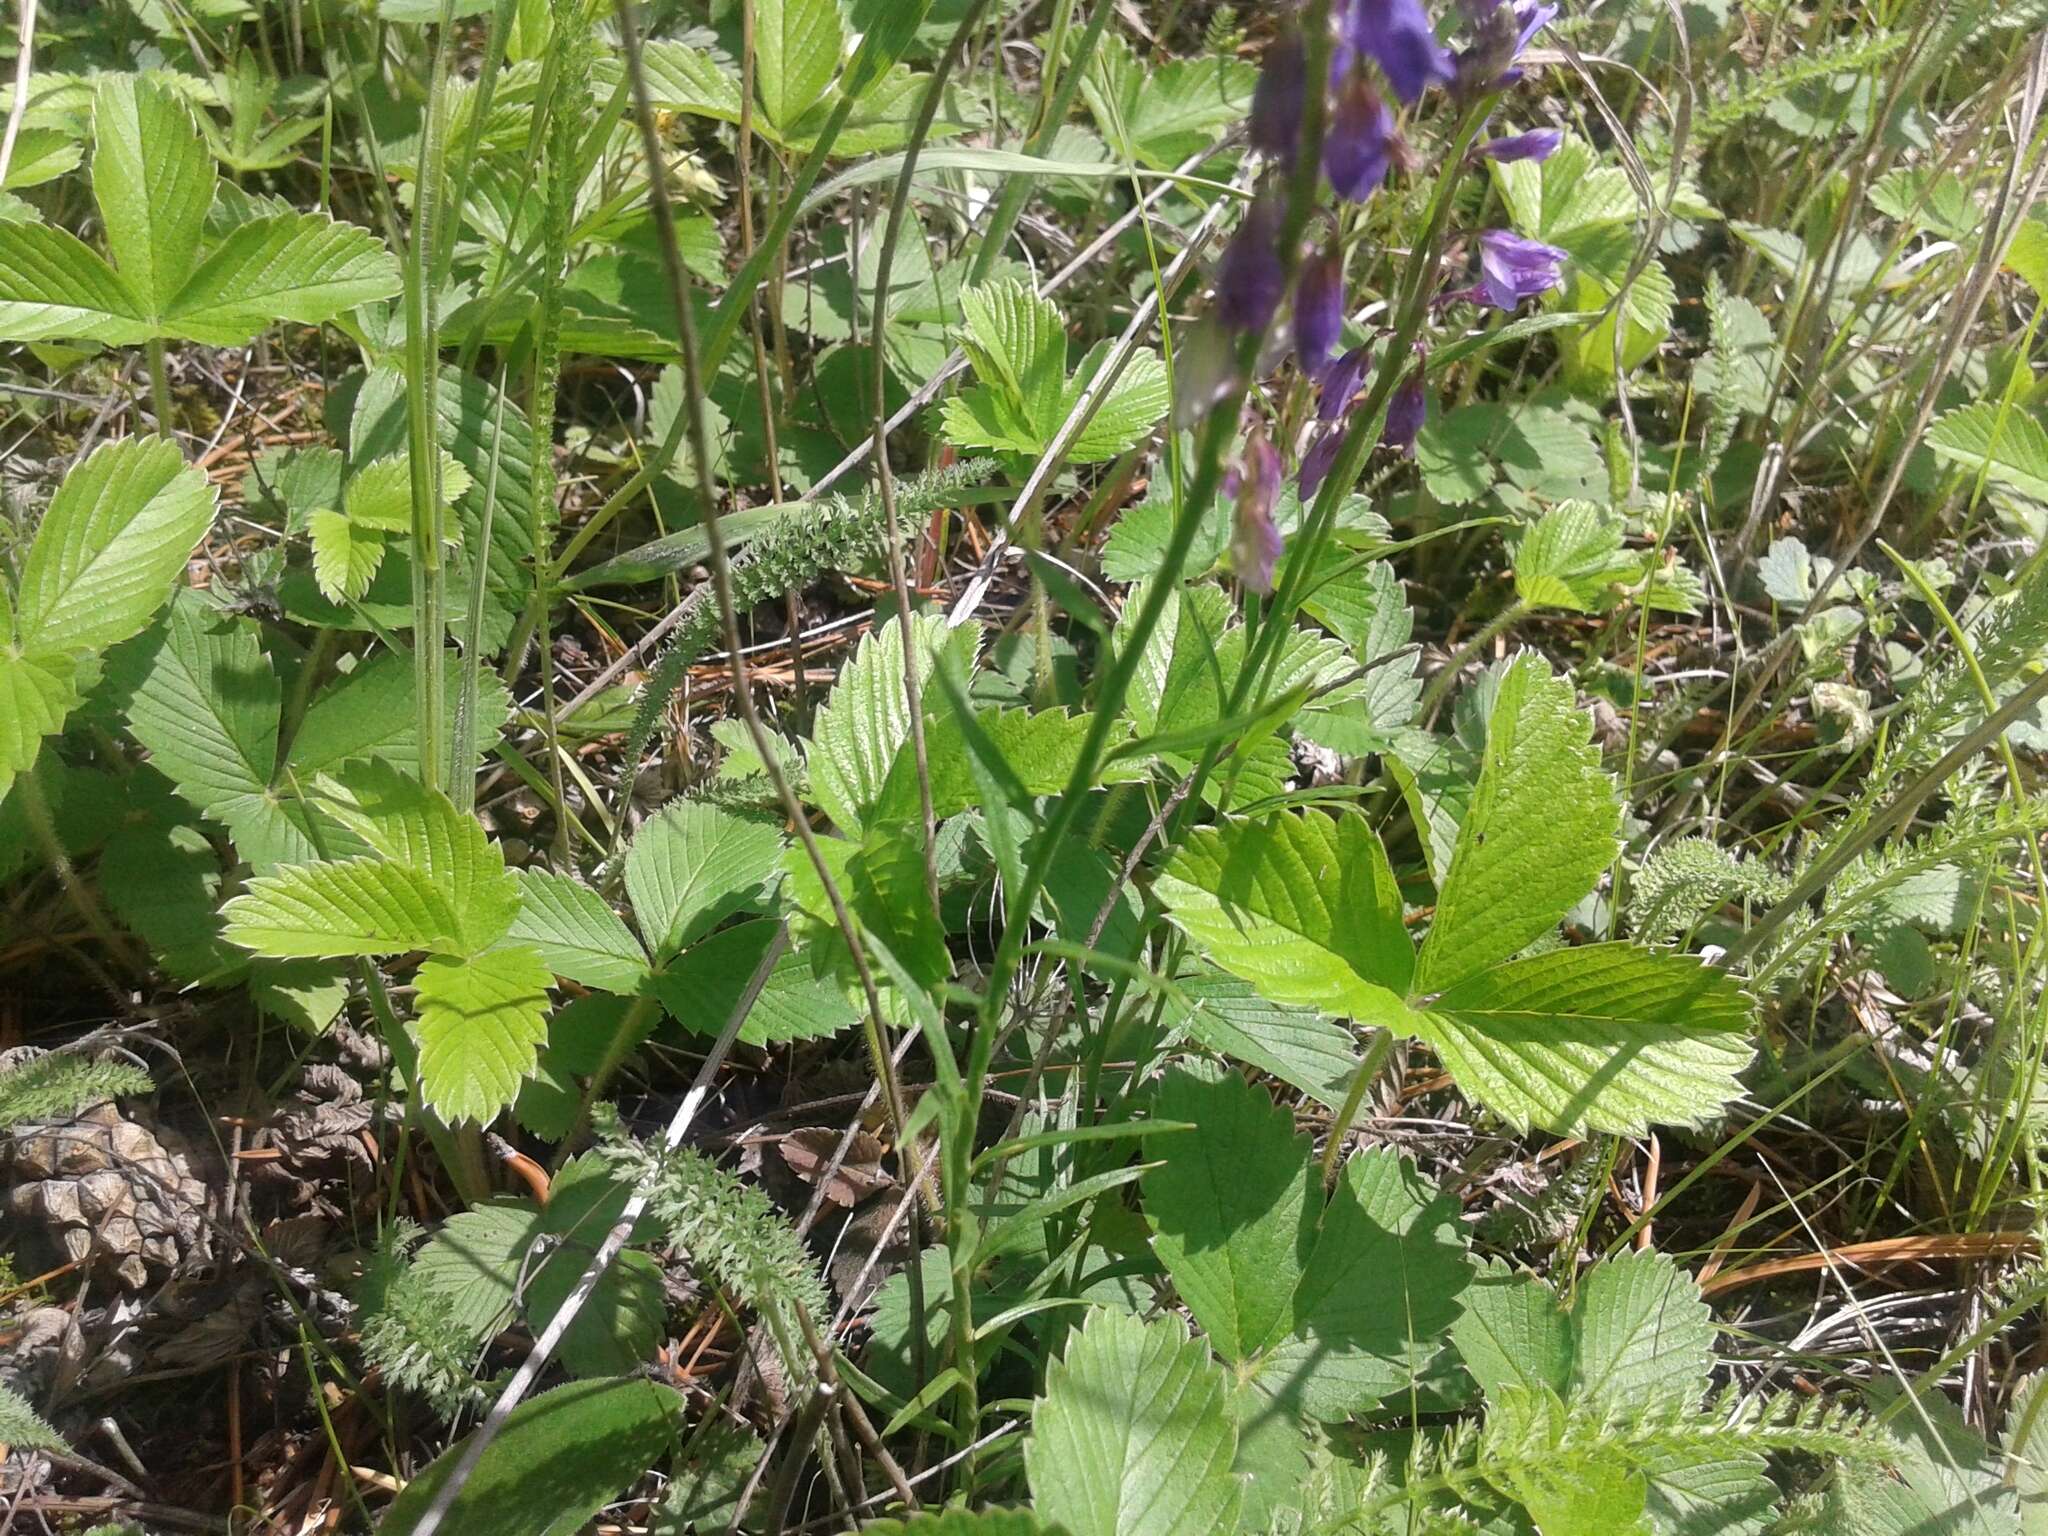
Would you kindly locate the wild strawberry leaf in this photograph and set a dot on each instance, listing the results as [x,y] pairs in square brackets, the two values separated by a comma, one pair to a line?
[1132,1436]
[1610,1037]
[577,933]
[694,864]
[482,1022]
[1540,830]
[346,555]
[864,723]
[1301,904]
[1229,1207]
[420,829]
[348,907]
[154,182]
[301,267]
[117,534]
[797,46]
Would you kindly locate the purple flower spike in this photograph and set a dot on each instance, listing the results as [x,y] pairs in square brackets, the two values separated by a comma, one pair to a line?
[1405,415]
[1320,459]
[1360,145]
[1280,99]
[1341,380]
[1398,36]
[1254,541]
[1536,144]
[1250,281]
[1512,269]
[1319,307]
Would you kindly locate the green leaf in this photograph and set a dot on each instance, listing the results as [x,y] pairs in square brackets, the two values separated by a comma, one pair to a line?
[420,829]
[372,713]
[36,693]
[473,1264]
[694,864]
[336,910]
[470,433]
[1540,830]
[1133,1436]
[1297,1045]
[1609,1037]
[1379,1292]
[117,534]
[1302,905]
[701,988]
[53,285]
[1229,1208]
[559,1459]
[619,1328]
[345,555]
[201,695]
[885,28]
[56,1085]
[1635,1337]
[1125,412]
[1512,1334]
[796,53]
[154,181]
[689,80]
[2013,451]
[577,934]
[962,1522]
[866,720]
[482,1021]
[301,267]
[1039,748]
[1572,558]
[1642,1337]
[1018,346]
[2026,1452]
[23,1429]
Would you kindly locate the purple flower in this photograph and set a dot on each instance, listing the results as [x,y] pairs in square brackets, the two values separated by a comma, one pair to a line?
[1340,381]
[1319,307]
[1512,268]
[1536,144]
[1320,459]
[1398,36]
[1280,99]
[1532,18]
[1405,414]
[1254,541]
[1360,145]
[1250,282]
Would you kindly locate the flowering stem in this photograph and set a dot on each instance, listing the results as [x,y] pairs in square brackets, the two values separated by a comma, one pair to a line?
[1398,358]
[1219,429]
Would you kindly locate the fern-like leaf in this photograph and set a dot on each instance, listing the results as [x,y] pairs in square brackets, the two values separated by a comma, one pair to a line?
[22,1428]
[732,1234]
[56,1086]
